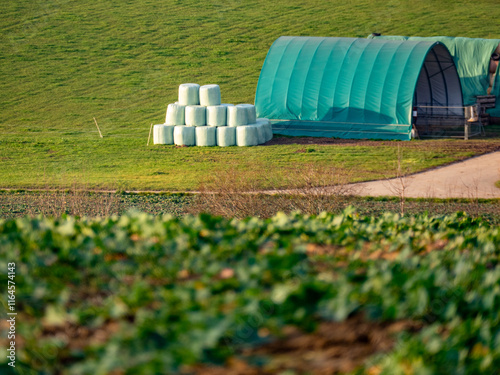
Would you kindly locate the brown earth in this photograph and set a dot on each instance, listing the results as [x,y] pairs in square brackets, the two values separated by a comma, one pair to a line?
[334,348]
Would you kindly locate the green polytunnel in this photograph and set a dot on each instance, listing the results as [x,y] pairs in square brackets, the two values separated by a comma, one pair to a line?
[352,87]
[472,59]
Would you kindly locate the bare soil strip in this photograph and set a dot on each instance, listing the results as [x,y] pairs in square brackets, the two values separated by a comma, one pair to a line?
[334,348]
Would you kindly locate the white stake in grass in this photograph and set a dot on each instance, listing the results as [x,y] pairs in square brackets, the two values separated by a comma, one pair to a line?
[99,130]
[151,127]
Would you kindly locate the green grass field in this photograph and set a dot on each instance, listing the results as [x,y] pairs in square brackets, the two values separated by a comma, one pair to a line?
[50,162]
[63,63]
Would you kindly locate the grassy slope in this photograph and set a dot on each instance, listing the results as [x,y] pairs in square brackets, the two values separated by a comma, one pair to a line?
[64,162]
[65,62]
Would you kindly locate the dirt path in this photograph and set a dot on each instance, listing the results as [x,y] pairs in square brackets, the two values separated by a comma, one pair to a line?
[472,178]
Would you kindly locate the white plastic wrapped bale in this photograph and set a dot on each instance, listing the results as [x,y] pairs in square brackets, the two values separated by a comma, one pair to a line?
[175,114]
[209,95]
[261,133]
[226,136]
[262,121]
[163,134]
[246,135]
[196,115]
[251,114]
[184,135]
[267,127]
[206,136]
[217,115]
[236,116]
[189,94]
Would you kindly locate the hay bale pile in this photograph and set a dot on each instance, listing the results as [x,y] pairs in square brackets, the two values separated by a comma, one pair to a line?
[199,118]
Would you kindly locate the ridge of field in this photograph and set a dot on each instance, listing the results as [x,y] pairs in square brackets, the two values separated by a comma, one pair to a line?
[65,62]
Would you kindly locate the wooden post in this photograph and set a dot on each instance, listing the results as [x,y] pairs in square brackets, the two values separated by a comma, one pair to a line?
[151,127]
[99,130]
[466,131]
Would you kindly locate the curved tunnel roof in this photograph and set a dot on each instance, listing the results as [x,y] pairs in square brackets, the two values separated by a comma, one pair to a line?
[352,87]
[472,58]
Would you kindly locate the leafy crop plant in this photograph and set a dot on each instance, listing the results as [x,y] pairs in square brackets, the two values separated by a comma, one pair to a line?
[139,294]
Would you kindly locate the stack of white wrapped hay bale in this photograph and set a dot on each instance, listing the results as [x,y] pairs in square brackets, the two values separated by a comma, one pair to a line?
[199,118]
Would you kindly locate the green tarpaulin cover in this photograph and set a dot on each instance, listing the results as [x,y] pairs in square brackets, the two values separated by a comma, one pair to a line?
[472,59]
[351,87]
